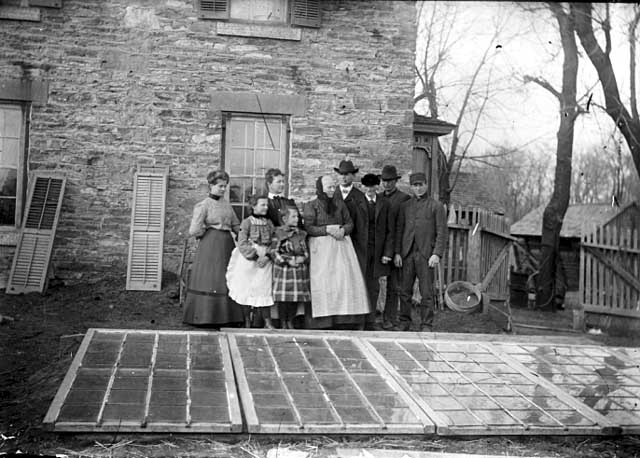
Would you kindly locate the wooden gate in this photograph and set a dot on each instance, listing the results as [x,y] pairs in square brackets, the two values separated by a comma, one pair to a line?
[610,265]
[478,250]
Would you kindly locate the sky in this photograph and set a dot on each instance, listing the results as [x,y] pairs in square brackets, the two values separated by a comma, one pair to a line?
[518,114]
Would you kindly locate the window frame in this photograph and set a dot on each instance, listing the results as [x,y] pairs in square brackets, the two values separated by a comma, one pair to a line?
[299,13]
[22,179]
[227,118]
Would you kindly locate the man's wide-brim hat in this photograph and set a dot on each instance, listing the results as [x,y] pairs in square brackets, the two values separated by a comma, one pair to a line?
[389,172]
[370,180]
[346,167]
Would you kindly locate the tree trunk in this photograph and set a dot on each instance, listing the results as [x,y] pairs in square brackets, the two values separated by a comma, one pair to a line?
[628,125]
[443,186]
[553,215]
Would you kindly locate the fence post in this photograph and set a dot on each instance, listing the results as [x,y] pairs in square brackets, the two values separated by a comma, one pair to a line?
[474,251]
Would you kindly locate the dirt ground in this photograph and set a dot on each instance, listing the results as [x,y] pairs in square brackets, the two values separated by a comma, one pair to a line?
[38,346]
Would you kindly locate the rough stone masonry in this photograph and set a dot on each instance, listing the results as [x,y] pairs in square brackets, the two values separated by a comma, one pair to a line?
[130,83]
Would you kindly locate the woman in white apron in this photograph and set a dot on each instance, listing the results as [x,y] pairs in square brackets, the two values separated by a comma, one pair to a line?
[338,292]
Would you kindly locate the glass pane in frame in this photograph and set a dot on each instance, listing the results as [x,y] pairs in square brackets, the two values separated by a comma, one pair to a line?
[259,10]
[8,182]
[247,163]
[7,211]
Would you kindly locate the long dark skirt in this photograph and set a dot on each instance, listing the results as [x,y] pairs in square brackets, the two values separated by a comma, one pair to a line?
[331,322]
[207,301]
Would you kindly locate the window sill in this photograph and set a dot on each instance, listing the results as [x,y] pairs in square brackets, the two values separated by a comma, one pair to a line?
[240,29]
[19,13]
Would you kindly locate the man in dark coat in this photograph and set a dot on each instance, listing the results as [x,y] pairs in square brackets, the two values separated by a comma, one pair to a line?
[357,205]
[275,183]
[395,198]
[421,236]
[379,242]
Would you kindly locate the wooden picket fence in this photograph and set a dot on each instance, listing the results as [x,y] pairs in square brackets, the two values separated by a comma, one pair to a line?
[478,250]
[610,265]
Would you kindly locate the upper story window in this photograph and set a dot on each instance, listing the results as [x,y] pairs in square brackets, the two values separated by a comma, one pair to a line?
[305,13]
[12,163]
[274,11]
[252,145]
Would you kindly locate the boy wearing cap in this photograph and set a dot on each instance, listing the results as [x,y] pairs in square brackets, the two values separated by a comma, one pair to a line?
[421,235]
[389,178]
[379,242]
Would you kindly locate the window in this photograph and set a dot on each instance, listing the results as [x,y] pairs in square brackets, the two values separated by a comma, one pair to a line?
[252,145]
[259,10]
[12,163]
[305,13]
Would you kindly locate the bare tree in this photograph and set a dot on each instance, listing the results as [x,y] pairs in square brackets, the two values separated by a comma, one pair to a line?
[627,121]
[518,178]
[555,210]
[439,39]
[604,174]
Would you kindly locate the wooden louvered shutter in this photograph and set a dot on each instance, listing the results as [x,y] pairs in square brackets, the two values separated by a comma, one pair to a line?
[144,270]
[33,253]
[213,9]
[305,13]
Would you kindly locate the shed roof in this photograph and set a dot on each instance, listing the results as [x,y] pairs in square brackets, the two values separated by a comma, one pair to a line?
[577,218]
[471,191]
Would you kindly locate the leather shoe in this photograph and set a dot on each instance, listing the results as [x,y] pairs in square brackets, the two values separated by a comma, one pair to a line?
[402,326]
[387,325]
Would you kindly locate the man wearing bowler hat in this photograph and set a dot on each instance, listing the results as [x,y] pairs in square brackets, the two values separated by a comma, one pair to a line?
[421,234]
[389,179]
[379,242]
[357,205]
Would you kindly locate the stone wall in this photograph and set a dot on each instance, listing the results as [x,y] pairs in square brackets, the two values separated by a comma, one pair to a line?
[130,83]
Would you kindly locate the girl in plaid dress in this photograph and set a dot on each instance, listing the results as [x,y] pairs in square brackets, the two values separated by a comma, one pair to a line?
[291,285]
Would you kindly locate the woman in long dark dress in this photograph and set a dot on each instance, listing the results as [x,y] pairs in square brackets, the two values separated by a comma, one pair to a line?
[338,292]
[207,301]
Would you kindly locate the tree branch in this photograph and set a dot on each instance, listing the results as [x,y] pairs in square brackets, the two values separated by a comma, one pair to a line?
[629,126]
[632,62]
[544,84]
[606,27]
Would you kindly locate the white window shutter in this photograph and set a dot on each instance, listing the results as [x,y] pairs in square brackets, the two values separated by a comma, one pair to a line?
[144,272]
[33,252]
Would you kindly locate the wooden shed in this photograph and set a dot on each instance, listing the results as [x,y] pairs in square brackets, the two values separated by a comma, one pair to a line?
[577,221]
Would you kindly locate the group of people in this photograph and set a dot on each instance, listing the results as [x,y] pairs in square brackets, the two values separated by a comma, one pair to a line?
[318,269]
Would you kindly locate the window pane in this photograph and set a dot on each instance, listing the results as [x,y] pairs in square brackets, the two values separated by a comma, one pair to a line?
[8,182]
[238,134]
[7,211]
[9,152]
[239,190]
[268,138]
[236,161]
[245,161]
[259,10]
[12,122]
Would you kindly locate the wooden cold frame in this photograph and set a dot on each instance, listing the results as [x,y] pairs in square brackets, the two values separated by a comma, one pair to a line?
[590,421]
[578,370]
[145,423]
[308,373]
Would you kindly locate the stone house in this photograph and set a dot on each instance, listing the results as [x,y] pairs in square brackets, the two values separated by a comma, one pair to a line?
[97,88]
